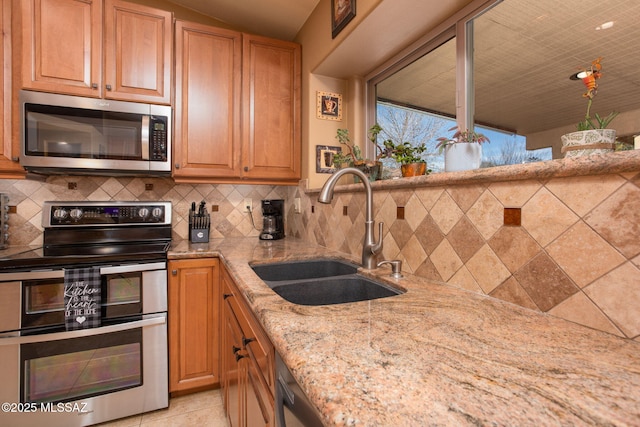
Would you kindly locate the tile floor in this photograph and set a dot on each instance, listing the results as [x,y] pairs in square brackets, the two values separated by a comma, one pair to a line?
[202,409]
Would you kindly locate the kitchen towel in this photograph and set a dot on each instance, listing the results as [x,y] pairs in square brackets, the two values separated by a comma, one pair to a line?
[82,298]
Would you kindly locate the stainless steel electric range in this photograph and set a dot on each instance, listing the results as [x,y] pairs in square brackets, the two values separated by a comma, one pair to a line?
[83,320]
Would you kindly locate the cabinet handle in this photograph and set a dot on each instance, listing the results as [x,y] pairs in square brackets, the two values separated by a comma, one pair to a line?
[225,296]
[239,356]
[174,272]
[246,168]
[108,87]
[246,341]
[94,85]
[235,349]
[177,165]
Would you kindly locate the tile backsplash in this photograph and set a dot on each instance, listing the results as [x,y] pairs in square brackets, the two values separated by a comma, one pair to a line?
[575,254]
[229,220]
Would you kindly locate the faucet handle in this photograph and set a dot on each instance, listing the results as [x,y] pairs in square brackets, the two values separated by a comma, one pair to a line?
[396,267]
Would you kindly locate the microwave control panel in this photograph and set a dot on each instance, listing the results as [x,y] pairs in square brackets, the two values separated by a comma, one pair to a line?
[158,143]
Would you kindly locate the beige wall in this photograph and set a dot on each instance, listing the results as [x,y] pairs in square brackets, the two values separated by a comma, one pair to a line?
[379,32]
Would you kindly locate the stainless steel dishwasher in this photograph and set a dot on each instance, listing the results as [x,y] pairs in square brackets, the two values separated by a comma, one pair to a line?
[293,408]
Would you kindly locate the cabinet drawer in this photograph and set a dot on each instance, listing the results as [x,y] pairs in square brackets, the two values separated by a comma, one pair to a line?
[255,341]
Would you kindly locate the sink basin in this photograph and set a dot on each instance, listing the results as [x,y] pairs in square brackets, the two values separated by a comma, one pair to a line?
[305,269]
[321,282]
[333,290]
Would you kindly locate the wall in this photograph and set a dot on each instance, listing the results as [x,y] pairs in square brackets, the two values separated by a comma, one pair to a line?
[576,254]
[229,220]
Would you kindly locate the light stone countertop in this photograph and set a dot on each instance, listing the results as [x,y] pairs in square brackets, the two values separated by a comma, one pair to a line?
[435,355]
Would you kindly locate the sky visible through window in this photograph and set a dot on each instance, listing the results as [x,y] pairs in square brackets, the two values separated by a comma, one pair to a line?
[415,126]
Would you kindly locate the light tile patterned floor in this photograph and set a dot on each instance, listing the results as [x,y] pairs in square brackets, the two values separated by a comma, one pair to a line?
[204,409]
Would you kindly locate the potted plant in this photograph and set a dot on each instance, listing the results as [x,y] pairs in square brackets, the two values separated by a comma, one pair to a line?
[591,137]
[462,151]
[354,157]
[409,157]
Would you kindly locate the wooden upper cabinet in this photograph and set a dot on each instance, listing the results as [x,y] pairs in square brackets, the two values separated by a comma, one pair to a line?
[271,109]
[237,107]
[207,102]
[68,43]
[138,52]
[62,46]
[9,146]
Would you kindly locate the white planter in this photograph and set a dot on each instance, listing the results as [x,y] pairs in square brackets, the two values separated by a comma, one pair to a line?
[462,156]
[587,142]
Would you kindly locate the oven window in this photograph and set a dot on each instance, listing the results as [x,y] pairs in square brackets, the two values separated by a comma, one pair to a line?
[72,369]
[44,299]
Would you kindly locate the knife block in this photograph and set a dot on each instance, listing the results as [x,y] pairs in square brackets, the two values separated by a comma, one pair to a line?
[199,233]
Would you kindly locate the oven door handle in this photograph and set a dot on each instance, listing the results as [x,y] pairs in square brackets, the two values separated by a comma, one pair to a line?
[56,274]
[133,268]
[29,339]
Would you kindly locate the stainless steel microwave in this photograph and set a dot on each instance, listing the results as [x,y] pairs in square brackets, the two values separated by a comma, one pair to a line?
[64,134]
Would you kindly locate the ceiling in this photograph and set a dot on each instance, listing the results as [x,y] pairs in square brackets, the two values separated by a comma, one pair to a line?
[524,54]
[280,19]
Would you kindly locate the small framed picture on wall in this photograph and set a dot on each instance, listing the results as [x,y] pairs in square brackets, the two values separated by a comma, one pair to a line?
[329,106]
[324,158]
[342,11]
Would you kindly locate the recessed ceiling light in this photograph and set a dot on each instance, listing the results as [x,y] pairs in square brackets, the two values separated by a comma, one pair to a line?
[605,26]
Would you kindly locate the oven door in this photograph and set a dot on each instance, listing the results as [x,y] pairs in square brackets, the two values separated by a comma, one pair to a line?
[84,377]
[35,300]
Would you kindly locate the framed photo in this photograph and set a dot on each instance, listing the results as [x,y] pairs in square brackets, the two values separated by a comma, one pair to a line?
[329,106]
[324,158]
[342,11]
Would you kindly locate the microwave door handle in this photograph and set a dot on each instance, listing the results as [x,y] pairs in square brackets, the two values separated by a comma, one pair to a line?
[29,339]
[144,137]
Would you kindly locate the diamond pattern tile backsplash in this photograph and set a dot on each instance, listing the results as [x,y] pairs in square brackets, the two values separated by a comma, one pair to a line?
[575,255]
[229,220]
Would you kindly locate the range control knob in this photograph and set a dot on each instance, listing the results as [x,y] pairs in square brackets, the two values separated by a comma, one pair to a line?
[76,213]
[157,212]
[60,213]
[143,212]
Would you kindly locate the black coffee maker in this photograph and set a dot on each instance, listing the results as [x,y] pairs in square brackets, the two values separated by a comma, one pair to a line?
[272,220]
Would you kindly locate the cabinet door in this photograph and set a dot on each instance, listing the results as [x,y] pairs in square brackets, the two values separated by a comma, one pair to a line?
[138,52]
[62,46]
[194,306]
[233,369]
[271,109]
[207,114]
[9,146]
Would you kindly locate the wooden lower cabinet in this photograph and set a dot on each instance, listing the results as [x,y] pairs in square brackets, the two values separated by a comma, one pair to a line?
[248,362]
[194,324]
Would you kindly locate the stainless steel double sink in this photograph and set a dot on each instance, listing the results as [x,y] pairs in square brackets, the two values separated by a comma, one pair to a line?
[321,282]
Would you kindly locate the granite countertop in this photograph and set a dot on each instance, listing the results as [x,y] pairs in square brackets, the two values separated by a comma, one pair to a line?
[435,355]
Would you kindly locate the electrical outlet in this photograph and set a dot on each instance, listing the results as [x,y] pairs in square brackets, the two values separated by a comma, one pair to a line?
[247,205]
